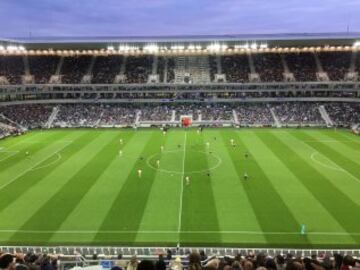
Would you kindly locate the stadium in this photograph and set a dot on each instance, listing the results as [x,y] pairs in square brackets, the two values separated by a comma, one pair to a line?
[244,148]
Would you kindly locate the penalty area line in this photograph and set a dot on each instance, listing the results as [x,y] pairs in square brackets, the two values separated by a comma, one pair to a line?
[32,167]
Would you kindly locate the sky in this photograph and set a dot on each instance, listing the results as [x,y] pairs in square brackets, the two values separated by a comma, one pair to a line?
[44,18]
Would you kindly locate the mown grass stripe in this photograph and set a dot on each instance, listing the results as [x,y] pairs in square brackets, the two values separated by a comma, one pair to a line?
[165,190]
[270,210]
[103,192]
[343,210]
[303,205]
[14,162]
[127,209]
[29,180]
[199,207]
[234,210]
[347,138]
[59,206]
[335,156]
[342,144]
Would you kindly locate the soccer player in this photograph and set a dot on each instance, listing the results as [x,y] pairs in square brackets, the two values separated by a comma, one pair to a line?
[120,153]
[121,141]
[246,155]
[158,163]
[246,176]
[27,153]
[162,148]
[139,172]
[232,142]
[207,144]
[187,180]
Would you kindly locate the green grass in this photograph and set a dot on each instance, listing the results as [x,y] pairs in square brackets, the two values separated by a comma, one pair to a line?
[74,189]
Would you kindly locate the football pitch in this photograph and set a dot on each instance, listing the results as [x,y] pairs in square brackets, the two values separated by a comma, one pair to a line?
[75,187]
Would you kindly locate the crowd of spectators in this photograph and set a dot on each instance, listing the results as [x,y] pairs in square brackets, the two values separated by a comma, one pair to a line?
[138,68]
[298,113]
[156,113]
[43,67]
[30,116]
[336,64]
[236,68]
[74,68]
[302,65]
[29,261]
[106,68]
[103,69]
[254,114]
[12,68]
[117,114]
[217,112]
[269,67]
[195,261]
[76,115]
[344,114]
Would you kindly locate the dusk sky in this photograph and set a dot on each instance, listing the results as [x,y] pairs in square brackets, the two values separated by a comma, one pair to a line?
[175,17]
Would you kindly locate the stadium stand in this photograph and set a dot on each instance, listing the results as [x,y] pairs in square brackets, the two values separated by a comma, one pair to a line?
[239,88]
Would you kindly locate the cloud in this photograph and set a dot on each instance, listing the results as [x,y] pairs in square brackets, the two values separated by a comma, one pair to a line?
[173,17]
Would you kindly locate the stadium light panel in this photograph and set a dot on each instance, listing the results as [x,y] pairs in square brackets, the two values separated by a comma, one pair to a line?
[151,48]
[110,48]
[356,44]
[253,46]
[177,47]
[11,48]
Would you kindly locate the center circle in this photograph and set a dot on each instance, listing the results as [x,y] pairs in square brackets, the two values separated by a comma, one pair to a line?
[172,161]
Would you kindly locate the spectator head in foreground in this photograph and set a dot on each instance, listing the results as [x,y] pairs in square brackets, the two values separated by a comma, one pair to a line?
[7,261]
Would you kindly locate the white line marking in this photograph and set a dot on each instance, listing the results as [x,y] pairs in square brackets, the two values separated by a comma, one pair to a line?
[32,167]
[12,153]
[47,165]
[175,232]
[219,161]
[336,167]
[182,184]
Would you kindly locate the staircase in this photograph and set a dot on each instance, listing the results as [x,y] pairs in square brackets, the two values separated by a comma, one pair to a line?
[6,126]
[52,117]
[26,65]
[137,118]
[155,65]
[195,67]
[13,122]
[173,115]
[59,66]
[165,70]
[235,116]
[97,123]
[276,119]
[325,116]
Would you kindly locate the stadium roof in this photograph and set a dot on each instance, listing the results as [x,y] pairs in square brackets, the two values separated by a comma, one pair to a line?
[272,40]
